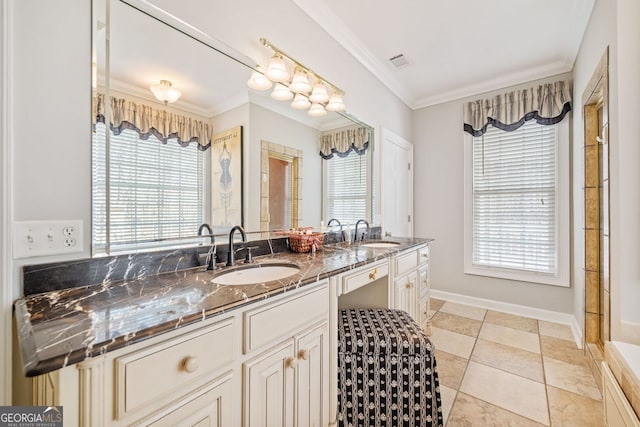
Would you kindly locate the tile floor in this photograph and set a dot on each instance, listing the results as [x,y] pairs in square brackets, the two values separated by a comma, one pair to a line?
[498,369]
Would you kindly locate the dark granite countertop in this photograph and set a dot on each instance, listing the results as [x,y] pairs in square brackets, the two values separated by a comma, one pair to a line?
[63,327]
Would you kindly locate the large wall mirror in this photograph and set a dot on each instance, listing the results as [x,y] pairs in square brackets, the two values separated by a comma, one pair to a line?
[165,167]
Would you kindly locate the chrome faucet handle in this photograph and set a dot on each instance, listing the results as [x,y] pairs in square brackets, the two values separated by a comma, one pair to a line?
[387,234]
[211,257]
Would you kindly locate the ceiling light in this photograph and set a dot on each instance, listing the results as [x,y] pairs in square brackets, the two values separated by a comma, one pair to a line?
[165,92]
[277,69]
[319,93]
[281,92]
[300,82]
[300,102]
[258,80]
[316,110]
[336,103]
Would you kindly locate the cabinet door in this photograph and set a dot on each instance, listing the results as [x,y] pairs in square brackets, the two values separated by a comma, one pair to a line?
[269,388]
[423,281]
[211,408]
[313,377]
[406,294]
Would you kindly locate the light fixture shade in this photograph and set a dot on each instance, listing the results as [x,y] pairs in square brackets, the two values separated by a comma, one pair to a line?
[316,110]
[300,82]
[258,81]
[281,93]
[277,70]
[319,94]
[300,102]
[336,103]
[165,92]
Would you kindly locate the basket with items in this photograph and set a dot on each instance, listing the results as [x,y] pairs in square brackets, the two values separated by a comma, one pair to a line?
[304,239]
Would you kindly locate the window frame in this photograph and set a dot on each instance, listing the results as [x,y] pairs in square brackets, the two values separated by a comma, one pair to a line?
[563,219]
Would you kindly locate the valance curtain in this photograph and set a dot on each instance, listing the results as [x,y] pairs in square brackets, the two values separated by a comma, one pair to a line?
[547,104]
[148,121]
[342,142]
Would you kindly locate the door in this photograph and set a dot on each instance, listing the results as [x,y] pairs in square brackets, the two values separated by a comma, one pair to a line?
[269,388]
[406,294]
[396,180]
[313,377]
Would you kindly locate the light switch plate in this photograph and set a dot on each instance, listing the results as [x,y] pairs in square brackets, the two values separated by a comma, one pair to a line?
[43,238]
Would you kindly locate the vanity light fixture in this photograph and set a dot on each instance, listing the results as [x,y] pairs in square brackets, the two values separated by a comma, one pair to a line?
[165,92]
[304,82]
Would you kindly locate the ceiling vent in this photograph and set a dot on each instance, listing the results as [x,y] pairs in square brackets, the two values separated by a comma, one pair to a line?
[399,60]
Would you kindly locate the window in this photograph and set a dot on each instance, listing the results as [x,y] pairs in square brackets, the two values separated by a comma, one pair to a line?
[347,187]
[156,192]
[517,202]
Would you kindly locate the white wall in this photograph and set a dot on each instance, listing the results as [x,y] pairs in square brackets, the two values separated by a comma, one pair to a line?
[439,211]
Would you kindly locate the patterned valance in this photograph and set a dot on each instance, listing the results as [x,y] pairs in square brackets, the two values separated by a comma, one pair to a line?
[147,120]
[547,104]
[344,141]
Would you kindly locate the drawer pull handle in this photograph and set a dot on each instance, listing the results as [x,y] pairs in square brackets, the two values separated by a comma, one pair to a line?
[303,354]
[190,364]
[372,275]
[291,362]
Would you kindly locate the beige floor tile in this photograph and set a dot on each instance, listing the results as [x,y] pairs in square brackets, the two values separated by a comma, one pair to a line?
[572,410]
[509,359]
[512,392]
[557,330]
[512,321]
[576,379]
[564,350]
[450,369]
[475,313]
[508,336]
[468,411]
[447,395]
[452,342]
[459,324]
[435,304]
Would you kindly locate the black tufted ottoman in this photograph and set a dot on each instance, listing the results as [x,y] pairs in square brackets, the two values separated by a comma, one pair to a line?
[387,372]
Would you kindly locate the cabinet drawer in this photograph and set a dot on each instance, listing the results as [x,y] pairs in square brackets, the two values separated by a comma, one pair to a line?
[271,322]
[406,262]
[423,255]
[364,276]
[167,369]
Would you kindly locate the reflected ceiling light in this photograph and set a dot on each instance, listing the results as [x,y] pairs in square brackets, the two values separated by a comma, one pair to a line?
[300,82]
[335,103]
[316,110]
[165,92]
[277,69]
[300,102]
[277,72]
[258,80]
[319,93]
[281,92]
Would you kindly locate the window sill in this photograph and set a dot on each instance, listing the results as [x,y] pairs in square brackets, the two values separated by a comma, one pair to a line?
[518,275]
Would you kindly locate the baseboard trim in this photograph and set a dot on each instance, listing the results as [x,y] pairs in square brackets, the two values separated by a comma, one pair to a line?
[630,332]
[520,310]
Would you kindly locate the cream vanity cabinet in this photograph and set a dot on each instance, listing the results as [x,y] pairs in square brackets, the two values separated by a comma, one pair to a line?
[411,283]
[266,364]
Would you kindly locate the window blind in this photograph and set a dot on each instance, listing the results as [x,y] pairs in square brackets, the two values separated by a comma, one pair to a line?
[156,191]
[347,185]
[515,211]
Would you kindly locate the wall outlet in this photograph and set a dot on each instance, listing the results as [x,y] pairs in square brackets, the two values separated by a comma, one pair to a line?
[44,238]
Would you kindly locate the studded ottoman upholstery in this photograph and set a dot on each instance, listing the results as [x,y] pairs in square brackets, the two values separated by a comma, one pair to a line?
[387,372]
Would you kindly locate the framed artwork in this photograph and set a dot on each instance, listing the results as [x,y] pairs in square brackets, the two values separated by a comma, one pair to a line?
[226,179]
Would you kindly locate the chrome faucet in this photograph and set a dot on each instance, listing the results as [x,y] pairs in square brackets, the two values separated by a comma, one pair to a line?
[208,228]
[339,224]
[211,254]
[355,234]
[231,257]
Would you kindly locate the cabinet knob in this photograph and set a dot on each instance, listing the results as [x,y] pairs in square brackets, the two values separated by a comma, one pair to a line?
[372,275]
[424,255]
[190,364]
[409,285]
[304,354]
[291,362]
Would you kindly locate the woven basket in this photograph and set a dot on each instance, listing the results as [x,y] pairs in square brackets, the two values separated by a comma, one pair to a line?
[306,242]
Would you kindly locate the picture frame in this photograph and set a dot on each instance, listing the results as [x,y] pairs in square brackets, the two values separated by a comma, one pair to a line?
[227,178]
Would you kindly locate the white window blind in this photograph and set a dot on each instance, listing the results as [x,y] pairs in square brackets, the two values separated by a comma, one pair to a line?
[156,192]
[347,185]
[515,207]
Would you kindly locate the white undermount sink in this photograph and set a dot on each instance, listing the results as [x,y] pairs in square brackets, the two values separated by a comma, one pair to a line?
[380,245]
[256,273]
